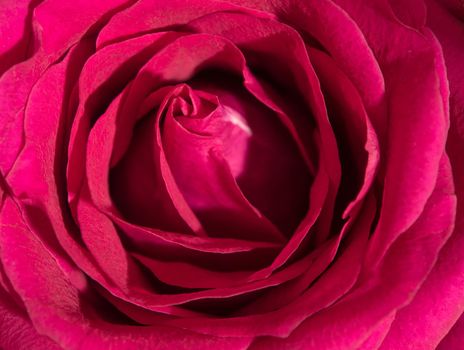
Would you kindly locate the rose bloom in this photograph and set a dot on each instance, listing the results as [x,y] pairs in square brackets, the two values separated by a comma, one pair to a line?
[236,174]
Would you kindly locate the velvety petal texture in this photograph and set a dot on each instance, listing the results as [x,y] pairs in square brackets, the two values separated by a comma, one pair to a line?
[240,174]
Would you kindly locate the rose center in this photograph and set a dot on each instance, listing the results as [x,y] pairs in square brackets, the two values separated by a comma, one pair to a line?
[211,155]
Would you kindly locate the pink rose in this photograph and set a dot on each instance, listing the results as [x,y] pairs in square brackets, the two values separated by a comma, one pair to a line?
[240,174]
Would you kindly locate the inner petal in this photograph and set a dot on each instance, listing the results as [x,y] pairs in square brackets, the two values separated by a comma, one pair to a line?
[193,148]
[262,157]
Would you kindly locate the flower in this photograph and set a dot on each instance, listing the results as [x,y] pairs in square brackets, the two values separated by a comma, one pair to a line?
[247,174]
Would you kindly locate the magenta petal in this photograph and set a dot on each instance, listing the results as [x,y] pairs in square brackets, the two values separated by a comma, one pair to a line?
[455,338]
[316,199]
[345,41]
[418,119]
[402,271]
[168,67]
[424,317]
[51,301]
[53,44]
[412,13]
[17,331]
[164,65]
[138,186]
[446,280]
[266,40]
[54,305]
[190,276]
[260,152]
[15,31]
[349,117]
[108,336]
[153,15]
[34,177]
[374,341]
[416,151]
[146,239]
[334,283]
[103,76]
[79,15]
[102,240]
[206,181]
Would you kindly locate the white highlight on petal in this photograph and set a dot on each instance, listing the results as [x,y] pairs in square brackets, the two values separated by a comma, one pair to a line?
[235,118]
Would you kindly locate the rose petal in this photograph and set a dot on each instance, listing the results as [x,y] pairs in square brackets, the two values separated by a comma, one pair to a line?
[54,305]
[41,285]
[153,16]
[210,188]
[355,131]
[412,13]
[259,150]
[340,35]
[335,282]
[103,76]
[16,31]
[17,331]
[146,194]
[34,179]
[47,17]
[445,284]
[149,239]
[285,293]
[374,341]
[418,119]
[403,270]
[446,279]
[266,40]
[454,339]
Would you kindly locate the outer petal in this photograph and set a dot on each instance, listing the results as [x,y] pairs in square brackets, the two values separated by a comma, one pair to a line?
[17,331]
[50,46]
[446,281]
[55,306]
[153,16]
[351,321]
[15,31]
[455,338]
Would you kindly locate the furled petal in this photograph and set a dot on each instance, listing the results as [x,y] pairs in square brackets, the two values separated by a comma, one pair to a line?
[446,281]
[426,319]
[102,78]
[354,132]
[34,178]
[155,16]
[418,119]
[139,193]
[454,339]
[54,304]
[50,46]
[261,153]
[15,32]
[374,341]
[17,331]
[349,322]
[331,285]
